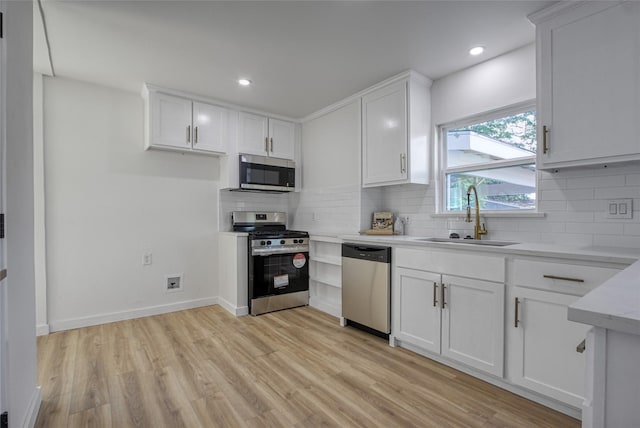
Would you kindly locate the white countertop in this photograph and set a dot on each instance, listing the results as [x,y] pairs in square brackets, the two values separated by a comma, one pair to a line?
[595,254]
[614,305]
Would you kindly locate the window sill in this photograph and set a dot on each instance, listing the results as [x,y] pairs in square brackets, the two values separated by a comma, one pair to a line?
[491,214]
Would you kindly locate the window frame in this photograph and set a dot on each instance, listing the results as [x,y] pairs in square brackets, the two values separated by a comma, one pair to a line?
[443,171]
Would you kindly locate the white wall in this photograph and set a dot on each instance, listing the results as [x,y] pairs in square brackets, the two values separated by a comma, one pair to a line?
[23,397]
[108,202]
[506,80]
[42,326]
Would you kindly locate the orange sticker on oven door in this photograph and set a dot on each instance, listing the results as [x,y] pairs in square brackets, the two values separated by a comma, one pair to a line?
[299,260]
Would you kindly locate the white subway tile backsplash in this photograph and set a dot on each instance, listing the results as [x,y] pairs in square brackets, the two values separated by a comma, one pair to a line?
[573,216]
[584,206]
[596,182]
[596,228]
[632,229]
[618,192]
[632,180]
[630,241]
[545,206]
[573,201]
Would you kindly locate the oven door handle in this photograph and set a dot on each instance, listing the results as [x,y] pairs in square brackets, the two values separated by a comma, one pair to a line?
[270,252]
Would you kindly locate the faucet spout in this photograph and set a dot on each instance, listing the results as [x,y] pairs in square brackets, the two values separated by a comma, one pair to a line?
[477,230]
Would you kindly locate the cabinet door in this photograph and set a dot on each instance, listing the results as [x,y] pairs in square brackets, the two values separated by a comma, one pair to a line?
[590,85]
[282,137]
[170,121]
[209,128]
[416,311]
[542,347]
[473,323]
[253,134]
[384,138]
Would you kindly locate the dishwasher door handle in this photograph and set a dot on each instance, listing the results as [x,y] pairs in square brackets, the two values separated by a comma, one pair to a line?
[366,249]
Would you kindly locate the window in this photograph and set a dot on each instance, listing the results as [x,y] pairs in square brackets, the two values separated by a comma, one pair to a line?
[496,154]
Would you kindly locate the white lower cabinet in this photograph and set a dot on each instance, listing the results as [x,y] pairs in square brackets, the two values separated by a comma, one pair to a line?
[543,354]
[416,311]
[459,318]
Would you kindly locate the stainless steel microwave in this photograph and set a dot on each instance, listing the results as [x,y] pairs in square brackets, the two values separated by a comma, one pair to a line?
[267,174]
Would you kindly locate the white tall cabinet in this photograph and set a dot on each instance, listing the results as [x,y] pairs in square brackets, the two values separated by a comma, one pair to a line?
[588,83]
[263,136]
[395,133]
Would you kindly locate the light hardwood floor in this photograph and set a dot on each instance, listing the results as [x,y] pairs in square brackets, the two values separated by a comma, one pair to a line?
[294,368]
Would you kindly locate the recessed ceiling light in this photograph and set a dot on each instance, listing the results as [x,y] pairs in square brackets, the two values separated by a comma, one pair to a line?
[244,82]
[477,50]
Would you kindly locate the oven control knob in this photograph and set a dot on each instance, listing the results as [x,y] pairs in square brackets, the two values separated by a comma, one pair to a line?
[295,241]
[261,242]
[300,241]
[282,242]
[268,242]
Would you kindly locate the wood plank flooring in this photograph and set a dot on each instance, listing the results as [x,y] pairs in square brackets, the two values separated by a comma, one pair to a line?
[294,368]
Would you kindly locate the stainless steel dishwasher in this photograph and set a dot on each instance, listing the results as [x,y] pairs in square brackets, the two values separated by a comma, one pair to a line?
[366,287]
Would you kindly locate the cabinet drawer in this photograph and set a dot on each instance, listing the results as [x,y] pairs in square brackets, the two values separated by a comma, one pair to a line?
[562,277]
[460,263]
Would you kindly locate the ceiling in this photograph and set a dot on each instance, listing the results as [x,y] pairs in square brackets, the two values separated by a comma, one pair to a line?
[301,55]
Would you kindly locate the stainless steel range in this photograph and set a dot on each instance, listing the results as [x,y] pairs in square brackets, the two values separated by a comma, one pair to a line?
[278,264]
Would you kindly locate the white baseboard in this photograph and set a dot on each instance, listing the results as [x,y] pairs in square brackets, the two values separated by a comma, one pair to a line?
[42,329]
[33,408]
[325,306]
[232,309]
[131,314]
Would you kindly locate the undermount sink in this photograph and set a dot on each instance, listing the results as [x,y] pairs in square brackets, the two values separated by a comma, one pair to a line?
[469,241]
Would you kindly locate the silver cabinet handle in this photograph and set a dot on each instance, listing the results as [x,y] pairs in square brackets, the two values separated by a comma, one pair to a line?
[581,346]
[545,145]
[435,292]
[517,303]
[266,144]
[563,278]
[403,163]
[188,134]
[442,302]
[195,135]
[271,145]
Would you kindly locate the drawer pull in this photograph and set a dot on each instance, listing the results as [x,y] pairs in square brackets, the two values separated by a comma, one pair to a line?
[563,278]
[517,303]
[581,346]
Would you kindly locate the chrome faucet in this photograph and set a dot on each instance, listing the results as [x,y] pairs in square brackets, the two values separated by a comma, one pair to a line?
[477,230]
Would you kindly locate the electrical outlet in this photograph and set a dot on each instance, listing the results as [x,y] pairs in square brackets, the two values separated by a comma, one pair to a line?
[406,219]
[174,283]
[619,208]
[147,258]
[315,216]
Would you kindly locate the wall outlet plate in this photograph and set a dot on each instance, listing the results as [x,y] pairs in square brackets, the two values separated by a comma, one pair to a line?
[619,208]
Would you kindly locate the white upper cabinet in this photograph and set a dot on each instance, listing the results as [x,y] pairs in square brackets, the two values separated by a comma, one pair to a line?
[170,121]
[395,133]
[209,127]
[176,123]
[259,135]
[588,83]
